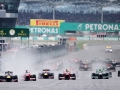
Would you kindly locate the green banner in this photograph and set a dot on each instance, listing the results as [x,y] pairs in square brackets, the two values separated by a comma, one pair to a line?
[44,30]
[89,26]
[111,38]
[14,32]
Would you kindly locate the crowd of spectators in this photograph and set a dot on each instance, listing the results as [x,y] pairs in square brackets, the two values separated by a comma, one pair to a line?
[74,16]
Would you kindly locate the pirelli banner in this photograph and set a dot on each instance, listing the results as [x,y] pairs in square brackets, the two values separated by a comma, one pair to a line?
[45,22]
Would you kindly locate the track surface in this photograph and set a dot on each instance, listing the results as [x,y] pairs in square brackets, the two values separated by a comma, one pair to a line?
[83,81]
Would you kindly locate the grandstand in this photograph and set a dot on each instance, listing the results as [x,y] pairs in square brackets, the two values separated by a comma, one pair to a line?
[86,12]
[82,11]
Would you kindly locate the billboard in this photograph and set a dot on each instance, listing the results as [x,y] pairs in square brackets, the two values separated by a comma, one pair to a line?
[14,32]
[44,30]
[45,22]
[90,26]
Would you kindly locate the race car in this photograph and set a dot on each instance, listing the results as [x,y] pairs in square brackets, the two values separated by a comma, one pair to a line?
[46,74]
[107,60]
[67,75]
[85,65]
[115,63]
[96,60]
[101,74]
[29,77]
[110,67]
[9,77]
[119,73]
[108,49]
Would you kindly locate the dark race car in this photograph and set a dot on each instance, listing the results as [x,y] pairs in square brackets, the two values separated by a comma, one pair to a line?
[101,74]
[115,63]
[110,67]
[67,75]
[29,77]
[85,65]
[9,77]
[96,60]
[46,74]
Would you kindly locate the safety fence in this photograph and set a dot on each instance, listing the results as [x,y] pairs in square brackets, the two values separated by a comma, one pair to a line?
[99,38]
[86,38]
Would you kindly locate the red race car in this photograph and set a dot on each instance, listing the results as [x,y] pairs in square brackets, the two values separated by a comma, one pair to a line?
[29,77]
[67,75]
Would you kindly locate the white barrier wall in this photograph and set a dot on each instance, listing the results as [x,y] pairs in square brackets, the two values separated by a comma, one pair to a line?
[78,38]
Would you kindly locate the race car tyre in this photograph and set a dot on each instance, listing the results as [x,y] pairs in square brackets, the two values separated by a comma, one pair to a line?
[107,75]
[15,77]
[1,77]
[52,75]
[118,73]
[74,75]
[60,75]
[93,75]
[110,74]
[34,76]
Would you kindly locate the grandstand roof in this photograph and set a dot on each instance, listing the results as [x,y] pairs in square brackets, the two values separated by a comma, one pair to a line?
[77,2]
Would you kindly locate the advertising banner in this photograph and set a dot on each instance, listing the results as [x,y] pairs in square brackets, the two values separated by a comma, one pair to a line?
[111,39]
[90,26]
[44,30]
[14,32]
[45,22]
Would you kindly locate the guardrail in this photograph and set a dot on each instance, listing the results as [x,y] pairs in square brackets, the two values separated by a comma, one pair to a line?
[86,38]
[98,38]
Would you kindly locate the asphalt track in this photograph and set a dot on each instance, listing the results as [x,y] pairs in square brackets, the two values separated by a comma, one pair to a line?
[83,81]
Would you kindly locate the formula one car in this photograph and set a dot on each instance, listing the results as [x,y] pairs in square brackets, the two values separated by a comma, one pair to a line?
[29,77]
[107,60]
[119,73]
[67,75]
[85,65]
[46,74]
[101,74]
[115,63]
[108,49]
[9,77]
[96,60]
[110,67]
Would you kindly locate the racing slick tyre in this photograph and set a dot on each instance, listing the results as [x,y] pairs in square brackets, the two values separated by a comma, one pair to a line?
[107,75]
[74,75]
[93,76]
[118,73]
[34,76]
[59,76]
[1,78]
[52,76]
[15,78]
